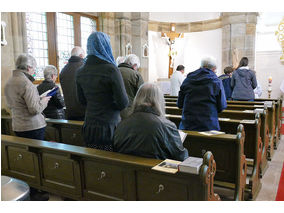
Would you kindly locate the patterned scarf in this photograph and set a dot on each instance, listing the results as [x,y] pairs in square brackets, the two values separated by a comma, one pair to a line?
[99,45]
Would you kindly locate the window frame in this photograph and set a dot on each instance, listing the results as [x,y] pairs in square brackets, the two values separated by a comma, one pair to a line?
[53,56]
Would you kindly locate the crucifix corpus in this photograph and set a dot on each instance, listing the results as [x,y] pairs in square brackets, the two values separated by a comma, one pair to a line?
[171,36]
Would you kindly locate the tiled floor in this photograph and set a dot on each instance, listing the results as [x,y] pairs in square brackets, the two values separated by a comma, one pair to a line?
[271,178]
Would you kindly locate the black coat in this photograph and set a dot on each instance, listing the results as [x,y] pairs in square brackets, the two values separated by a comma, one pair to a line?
[55,106]
[101,89]
[74,109]
[146,134]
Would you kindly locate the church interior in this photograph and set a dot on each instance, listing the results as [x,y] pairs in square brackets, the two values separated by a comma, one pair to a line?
[247,164]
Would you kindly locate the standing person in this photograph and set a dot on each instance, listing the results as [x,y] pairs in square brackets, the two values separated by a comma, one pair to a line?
[226,81]
[146,132]
[100,88]
[74,109]
[24,101]
[55,106]
[132,80]
[176,80]
[201,98]
[243,82]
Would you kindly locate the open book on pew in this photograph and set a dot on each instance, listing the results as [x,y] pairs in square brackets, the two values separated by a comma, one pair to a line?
[50,92]
[168,165]
[190,165]
[212,132]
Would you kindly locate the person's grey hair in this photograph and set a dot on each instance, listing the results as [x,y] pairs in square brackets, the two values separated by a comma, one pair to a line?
[150,94]
[48,71]
[76,51]
[209,63]
[24,61]
[132,59]
[119,60]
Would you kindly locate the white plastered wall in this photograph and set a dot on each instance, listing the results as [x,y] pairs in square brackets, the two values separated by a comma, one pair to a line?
[190,50]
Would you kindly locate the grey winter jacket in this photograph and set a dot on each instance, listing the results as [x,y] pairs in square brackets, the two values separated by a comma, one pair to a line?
[243,83]
[24,101]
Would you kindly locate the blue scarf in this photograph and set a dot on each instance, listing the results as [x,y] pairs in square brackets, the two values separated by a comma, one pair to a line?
[99,45]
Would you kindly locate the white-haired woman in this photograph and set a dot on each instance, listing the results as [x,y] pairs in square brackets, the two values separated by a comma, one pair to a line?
[146,132]
[24,101]
[55,106]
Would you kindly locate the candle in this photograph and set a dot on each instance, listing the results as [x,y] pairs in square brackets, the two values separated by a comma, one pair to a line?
[270,79]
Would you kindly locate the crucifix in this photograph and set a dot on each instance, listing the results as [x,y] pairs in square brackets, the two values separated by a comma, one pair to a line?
[171,36]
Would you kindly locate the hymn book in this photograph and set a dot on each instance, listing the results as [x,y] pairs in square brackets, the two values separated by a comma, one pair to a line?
[212,132]
[50,92]
[191,165]
[182,135]
[168,165]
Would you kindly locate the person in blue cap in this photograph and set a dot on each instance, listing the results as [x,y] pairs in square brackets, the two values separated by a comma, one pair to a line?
[201,98]
[101,89]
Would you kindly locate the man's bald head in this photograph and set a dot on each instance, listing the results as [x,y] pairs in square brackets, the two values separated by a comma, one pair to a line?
[78,51]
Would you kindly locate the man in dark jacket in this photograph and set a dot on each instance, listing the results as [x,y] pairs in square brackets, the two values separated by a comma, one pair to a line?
[132,80]
[74,110]
[226,80]
[55,106]
[202,97]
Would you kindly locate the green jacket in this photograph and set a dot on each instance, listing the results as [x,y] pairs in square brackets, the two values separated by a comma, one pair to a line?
[132,81]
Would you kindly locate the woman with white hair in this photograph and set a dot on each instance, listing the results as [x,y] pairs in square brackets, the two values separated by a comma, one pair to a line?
[55,106]
[146,132]
[24,101]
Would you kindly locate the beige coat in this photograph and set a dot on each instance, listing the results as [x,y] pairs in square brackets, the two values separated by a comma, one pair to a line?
[25,104]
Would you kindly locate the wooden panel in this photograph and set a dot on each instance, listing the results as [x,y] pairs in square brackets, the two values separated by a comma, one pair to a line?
[158,188]
[60,173]
[22,164]
[72,135]
[103,181]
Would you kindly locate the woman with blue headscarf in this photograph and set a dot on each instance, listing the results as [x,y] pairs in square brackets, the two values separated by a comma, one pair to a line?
[101,89]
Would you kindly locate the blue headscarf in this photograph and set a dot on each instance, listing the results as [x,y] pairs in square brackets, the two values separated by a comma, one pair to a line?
[99,45]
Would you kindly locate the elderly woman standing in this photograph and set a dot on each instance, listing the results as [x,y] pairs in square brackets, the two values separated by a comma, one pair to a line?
[146,132]
[101,89]
[55,106]
[24,101]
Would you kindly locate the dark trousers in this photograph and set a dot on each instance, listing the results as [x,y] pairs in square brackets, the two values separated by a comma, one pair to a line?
[32,134]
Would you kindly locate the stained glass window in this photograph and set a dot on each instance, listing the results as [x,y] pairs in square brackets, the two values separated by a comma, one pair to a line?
[65,38]
[87,27]
[37,41]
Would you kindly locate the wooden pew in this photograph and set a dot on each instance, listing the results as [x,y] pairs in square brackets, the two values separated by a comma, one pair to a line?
[276,121]
[245,114]
[89,174]
[278,118]
[230,159]
[252,147]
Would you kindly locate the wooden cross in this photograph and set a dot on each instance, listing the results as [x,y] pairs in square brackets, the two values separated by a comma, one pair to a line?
[172,35]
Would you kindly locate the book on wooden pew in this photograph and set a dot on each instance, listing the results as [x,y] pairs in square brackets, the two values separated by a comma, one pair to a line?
[248,111]
[190,165]
[224,119]
[168,165]
[212,132]
[247,121]
[182,135]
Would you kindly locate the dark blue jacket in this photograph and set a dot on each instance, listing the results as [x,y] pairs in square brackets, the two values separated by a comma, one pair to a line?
[201,98]
[243,83]
[226,80]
